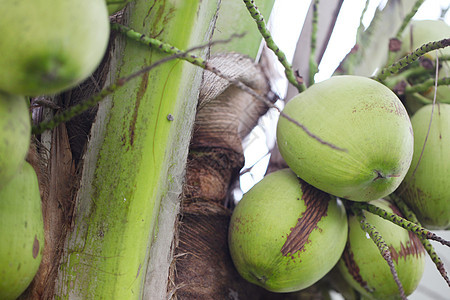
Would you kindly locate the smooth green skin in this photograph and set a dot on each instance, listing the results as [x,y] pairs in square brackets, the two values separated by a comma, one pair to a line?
[48,46]
[422,32]
[21,233]
[259,227]
[15,134]
[428,191]
[373,269]
[359,115]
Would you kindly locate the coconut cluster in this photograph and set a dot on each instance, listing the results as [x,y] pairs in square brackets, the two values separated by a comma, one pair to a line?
[357,143]
[47,47]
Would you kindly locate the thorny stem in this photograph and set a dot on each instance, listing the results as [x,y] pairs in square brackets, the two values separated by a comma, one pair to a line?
[76,109]
[157,44]
[177,54]
[405,23]
[257,16]
[410,215]
[382,246]
[424,86]
[313,68]
[408,59]
[402,222]
[205,65]
[93,100]
[408,18]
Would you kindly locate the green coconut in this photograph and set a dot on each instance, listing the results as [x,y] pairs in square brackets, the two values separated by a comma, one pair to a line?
[426,187]
[418,33]
[365,120]
[21,232]
[15,134]
[285,235]
[49,45]
[367,271]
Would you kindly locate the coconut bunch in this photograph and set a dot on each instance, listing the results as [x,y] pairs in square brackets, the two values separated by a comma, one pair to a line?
[416,34]
[358,146]
[425,187]
[350,140]
[46,47]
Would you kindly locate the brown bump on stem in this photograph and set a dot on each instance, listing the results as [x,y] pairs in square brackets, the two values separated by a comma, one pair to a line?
[35,247]
[316,207]
[426,63]
[395,45]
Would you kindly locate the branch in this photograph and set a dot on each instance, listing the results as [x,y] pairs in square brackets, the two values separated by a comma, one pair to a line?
[408,17]
[141,38]
[254,12]
[425,86]
[93,100]
[382,246]
[402,222]
[410,58]
[313,67]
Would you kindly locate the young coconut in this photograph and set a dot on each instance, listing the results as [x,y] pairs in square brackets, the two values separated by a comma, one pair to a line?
[15,134]
[363,118]
[50,45]
[285,235]
[415,35]
[426,187]
[21,232]
[367,271]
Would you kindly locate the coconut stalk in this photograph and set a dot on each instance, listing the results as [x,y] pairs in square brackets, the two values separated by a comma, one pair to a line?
[234,18]
[119,242]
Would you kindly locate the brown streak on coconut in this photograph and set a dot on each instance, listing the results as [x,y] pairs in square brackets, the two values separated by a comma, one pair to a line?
[413,246]
[352,266]
[316,207]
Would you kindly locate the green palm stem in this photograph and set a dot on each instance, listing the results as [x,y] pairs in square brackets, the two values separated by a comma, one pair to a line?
[424,86]
[402,222]
[96,98]
[313,67]
[167,48]
[412,57]
[405,23]
[256,15]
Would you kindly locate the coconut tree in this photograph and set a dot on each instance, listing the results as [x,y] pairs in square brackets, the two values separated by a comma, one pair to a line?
[137,164]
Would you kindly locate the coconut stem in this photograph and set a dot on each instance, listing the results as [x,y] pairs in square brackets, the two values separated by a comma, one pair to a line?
[408,18]
[167,48]
[257,16]
[424,86]
[313,68]
[410,58]
[410,215]
[405,23]
[95,99]
[381,244]
[402,222]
